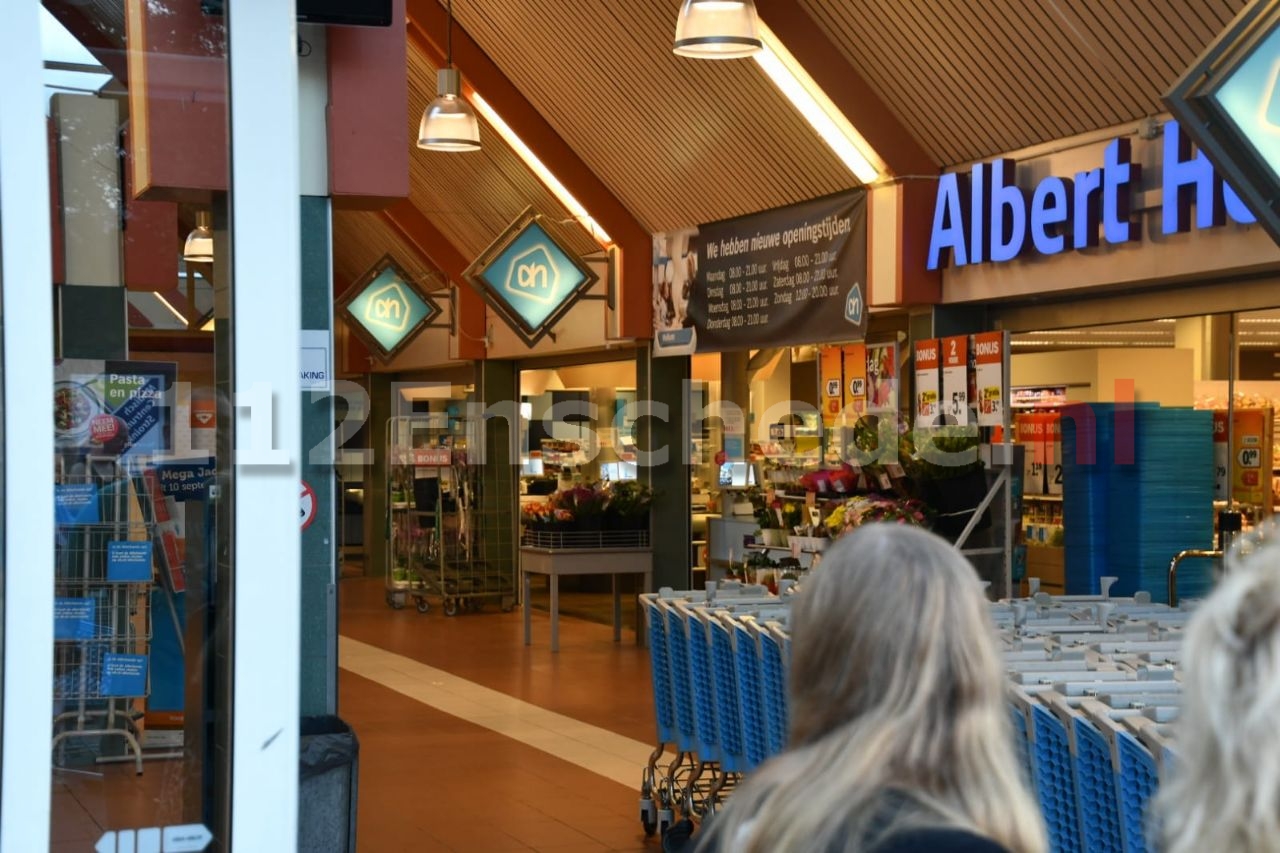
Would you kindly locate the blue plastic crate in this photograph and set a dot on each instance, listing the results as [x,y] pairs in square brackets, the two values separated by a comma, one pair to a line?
[681,679]
[706,728]
[755,735]
[1019,720]
[1096,784]
[1055,781]
[660,673]
[773,673]
[1139,776]
[728,704]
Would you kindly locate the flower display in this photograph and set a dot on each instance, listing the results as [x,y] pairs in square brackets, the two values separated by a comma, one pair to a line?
[869,509]
[622,506]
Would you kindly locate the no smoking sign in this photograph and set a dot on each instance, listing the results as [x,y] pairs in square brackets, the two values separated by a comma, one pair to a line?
[307,505]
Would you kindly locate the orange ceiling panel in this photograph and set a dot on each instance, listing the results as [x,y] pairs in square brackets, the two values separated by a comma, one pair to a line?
[679,141]
[975,78]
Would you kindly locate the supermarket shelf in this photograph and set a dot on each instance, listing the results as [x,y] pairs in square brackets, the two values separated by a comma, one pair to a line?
[786,548]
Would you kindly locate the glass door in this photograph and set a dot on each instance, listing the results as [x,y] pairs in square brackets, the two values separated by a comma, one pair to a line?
[149,258]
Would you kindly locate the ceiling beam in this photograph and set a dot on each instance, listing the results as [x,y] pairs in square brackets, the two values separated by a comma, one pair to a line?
[431,243]
[427,17]
[901,152]
[78,19]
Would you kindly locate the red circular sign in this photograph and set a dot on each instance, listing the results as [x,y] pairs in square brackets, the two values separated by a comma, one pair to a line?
[721,457]
[103,428]
[307,505]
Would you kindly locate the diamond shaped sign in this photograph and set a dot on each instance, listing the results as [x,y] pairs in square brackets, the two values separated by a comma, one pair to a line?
[855,306]
[386,309]
[530,278]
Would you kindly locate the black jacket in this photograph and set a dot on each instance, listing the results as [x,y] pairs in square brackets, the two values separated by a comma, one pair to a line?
[938,841]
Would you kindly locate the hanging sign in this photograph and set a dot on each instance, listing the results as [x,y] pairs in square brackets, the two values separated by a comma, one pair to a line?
[129,562]
[385,308]
[792,275]
[123,675]
[74,618]
[530,278]
[1248,458]
[926,382]
[832,384]
[989,349]
[855,381]
[955,380]
[75,503]
[882,378]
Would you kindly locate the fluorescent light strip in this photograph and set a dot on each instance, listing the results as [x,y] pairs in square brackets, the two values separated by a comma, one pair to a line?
[559,190]
[174,311]
[822,114]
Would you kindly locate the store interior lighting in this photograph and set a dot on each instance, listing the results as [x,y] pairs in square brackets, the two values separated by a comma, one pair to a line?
[826,119]
[199,245]
[717,29]
[548,178]
[448,124]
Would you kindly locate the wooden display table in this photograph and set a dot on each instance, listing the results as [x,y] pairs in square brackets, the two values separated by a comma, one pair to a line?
[555,563]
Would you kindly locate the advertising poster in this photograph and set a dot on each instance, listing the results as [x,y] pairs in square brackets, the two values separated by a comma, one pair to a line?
[831,365]
[1052,452]
[792,275]
[76,503]
[988,349]
[113,408]
[675,269]
[1246,464]
[927,388]
[955,380]
[1029,431]
[129,562]
[855,382]
[124,675]
[74,618]
[882,378]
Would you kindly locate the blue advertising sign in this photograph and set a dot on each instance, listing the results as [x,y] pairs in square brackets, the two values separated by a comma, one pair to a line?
[113,408]
[75,503]
[187,480]
[386,308]
[74,618]
[123,675]
[129,562]
[529,278]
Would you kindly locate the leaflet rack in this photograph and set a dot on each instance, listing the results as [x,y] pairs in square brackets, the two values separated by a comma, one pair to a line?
[102,582]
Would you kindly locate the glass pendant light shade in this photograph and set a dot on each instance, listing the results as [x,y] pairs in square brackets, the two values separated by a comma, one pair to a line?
[448,124]
[717,29]
[199,245]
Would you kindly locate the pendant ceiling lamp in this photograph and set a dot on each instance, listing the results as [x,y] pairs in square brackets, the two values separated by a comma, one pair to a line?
[717,29]
[448,124]
[199,245]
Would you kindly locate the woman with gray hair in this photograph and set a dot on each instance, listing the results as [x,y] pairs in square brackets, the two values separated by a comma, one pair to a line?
[1224,793]
[900,737]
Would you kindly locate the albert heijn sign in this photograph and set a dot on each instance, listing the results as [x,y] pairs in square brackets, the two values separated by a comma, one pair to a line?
[984,216]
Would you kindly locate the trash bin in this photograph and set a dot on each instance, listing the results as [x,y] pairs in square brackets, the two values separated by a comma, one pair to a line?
[328,772]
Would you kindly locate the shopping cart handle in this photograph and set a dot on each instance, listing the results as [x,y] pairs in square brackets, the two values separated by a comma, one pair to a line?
[1189,554]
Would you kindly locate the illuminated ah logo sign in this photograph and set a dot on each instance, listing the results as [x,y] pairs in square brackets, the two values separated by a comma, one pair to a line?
[532,274]
[388,307]
[530,278]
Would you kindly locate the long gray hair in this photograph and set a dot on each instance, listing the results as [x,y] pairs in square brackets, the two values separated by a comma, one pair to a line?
[1224,793]
[898,714]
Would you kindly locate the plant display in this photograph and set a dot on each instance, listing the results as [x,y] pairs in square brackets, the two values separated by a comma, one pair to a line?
[869,509]
[623,506]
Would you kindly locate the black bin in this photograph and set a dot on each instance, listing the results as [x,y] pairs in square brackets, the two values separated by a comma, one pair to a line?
[328,773]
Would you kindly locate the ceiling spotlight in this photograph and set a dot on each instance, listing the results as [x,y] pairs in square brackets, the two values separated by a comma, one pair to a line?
[448,124]
[717,29]
[199,245]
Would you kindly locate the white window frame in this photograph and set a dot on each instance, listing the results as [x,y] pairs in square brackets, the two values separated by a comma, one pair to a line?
[265,239]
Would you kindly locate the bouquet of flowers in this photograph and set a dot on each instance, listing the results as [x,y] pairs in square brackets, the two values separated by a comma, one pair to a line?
[869,509]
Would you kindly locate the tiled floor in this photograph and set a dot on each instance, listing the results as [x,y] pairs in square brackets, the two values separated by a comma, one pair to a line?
[469,740]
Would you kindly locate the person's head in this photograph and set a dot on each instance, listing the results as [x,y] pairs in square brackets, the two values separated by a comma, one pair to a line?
[896,689]
[1224,792]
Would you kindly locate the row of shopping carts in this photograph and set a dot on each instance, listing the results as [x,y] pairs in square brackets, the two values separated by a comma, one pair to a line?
[1094,685]
[719,663]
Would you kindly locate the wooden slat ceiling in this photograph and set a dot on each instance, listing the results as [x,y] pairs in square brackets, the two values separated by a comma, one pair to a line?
[975,78]
[361,238]
[473,197]
[678,141]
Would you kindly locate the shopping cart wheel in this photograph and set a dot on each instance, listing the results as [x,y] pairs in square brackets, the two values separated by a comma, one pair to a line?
[648,817]
[450,606]
[665,820]
[423,605]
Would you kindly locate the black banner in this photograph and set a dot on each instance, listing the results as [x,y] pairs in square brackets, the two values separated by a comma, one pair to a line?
[794,275]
